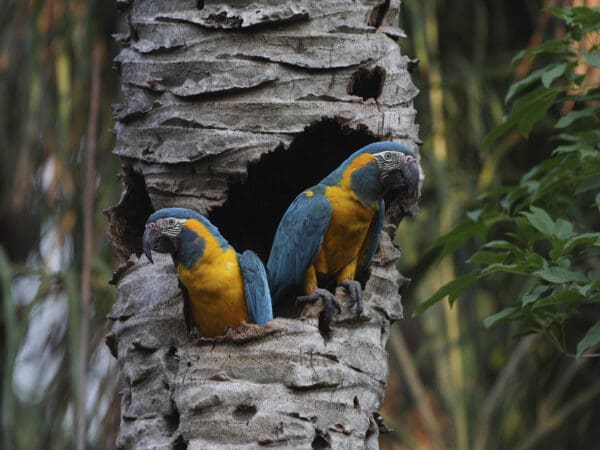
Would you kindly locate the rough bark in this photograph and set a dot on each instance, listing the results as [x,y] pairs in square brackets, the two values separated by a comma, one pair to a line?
[232,109]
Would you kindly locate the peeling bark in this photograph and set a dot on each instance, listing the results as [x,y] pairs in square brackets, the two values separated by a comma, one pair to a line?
[221,99]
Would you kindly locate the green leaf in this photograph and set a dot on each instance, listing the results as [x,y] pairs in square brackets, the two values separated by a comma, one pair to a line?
[552,72]
[500,245]
[526,111]
[567,120]
[590,184]
[563,229]
[540,220]
[521,84]
[591,338]
[499,316]
[462,232]
[561,275]
[483,257]
[560,13]
[584,238]
[593,58]
[532,107]
[533,295]
[451,290]
[551,46]
[517,268]
[560,296]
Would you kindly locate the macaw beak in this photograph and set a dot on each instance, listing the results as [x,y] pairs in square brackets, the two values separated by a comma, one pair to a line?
[404,182]
[412,176]
[150,241]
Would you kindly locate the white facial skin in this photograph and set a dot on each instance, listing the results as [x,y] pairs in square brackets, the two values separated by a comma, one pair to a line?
[170,226]
[390,160]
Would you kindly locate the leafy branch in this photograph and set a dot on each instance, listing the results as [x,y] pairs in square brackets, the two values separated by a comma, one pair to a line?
[541,231]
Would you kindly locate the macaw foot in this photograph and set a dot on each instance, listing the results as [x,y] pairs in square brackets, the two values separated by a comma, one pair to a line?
[193,333]
[329,304]
[354,290]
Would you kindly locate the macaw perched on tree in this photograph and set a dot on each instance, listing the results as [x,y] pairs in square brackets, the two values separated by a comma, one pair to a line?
[221,288]
[331,231]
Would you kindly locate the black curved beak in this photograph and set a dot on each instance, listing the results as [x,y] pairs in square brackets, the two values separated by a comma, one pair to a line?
[411,175]
[403,182]
[150,241]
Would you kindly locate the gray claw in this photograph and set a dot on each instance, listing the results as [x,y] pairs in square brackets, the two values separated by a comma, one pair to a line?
[329,303]
[354,290]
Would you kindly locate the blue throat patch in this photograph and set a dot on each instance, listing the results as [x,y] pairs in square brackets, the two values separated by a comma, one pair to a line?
[365,183]
[191,248]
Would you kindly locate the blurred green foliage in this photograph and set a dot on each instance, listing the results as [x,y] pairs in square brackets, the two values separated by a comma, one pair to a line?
[462,385]
[542,228]
[45,82]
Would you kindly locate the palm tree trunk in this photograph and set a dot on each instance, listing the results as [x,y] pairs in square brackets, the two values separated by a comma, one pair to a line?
[232,110]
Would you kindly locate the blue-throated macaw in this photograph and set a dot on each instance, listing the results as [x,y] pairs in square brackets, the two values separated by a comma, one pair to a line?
[221,288]
[331,231]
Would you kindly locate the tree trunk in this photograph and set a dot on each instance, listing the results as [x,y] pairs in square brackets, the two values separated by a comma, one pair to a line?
[232,110]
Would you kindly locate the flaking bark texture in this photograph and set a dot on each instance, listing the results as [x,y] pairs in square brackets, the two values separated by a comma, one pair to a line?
[207,88]
[221,85]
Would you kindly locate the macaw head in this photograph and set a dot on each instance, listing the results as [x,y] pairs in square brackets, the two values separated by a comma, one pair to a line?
[399,171]
[163,229]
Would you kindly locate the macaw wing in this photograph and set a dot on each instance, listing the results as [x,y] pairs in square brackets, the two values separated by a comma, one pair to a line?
[256,286]
[371,243]
[297,242]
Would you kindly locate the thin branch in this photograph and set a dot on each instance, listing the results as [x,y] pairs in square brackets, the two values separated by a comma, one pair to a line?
[88,216]
[551,400]
[496,394]
[550,424]
[417,389]
[536,39]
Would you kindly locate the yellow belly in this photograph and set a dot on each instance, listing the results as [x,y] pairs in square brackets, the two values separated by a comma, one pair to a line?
[216,292]
[345,236]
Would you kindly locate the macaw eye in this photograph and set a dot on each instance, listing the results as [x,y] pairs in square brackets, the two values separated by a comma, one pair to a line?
[171,222]
[387,156]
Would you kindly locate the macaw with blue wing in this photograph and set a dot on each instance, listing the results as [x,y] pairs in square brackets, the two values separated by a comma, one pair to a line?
[331,231]
[221,288]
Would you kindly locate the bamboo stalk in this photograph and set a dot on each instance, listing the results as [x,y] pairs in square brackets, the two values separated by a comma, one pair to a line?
[88,217]
[496,394]
[417,389]
[547,425]
[11,345]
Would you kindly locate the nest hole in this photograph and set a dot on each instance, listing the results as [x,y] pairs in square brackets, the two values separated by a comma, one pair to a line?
[367,83]
[378,14]
[126,220]
[255,205]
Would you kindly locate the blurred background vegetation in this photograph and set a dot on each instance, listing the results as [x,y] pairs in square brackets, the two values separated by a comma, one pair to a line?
[455,384]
